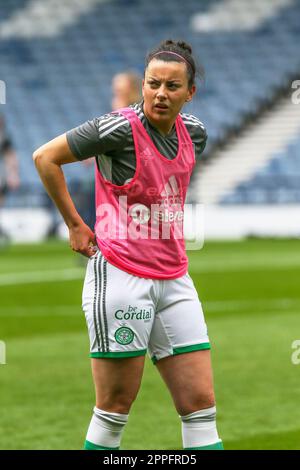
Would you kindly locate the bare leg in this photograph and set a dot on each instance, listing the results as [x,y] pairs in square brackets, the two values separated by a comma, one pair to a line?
[190,380]
[117,382]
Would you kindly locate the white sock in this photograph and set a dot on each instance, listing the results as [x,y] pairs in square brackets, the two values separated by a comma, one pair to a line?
[106,428]
[199,428]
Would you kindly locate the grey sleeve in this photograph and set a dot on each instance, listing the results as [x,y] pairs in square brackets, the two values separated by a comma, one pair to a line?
[84,140]
[199,137]
[89,140]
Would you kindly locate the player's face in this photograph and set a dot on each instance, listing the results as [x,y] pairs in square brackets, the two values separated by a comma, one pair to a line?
[165,90]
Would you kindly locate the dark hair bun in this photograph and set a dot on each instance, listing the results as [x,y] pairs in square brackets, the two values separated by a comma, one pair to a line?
[168,42]
[184,46]
[181,44]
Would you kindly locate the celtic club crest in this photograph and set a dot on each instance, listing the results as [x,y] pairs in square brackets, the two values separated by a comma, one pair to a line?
[124,335]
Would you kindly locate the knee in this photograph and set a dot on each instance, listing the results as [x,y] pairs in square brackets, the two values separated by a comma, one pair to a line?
[199,402]
[116,401]
[120,405]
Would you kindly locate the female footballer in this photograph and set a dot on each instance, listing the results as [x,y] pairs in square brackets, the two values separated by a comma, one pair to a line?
[138,295]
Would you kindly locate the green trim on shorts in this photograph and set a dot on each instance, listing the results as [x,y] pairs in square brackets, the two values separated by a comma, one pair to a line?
[195,347]
[90,446]
[115,355]
[185,349]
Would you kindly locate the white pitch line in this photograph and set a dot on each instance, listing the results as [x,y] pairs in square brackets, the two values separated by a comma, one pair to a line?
[248,264]
[40,310]
[41,276]
[233,305]
[259,305]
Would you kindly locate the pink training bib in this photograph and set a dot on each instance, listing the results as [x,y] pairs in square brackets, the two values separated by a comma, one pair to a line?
[139,225]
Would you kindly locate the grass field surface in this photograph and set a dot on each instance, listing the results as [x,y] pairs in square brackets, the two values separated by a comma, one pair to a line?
[250,293]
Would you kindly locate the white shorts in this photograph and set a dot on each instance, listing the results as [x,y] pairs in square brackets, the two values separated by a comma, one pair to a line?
[127,315]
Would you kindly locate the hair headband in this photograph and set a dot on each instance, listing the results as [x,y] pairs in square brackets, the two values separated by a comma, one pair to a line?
[173,53]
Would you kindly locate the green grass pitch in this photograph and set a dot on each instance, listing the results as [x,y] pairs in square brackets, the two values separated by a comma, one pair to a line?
[251,299]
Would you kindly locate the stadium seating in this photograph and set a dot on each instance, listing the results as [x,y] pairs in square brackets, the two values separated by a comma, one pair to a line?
[277,183]
[58,81]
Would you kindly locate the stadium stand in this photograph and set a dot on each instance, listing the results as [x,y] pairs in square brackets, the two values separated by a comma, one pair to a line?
[59,76]
[276,183]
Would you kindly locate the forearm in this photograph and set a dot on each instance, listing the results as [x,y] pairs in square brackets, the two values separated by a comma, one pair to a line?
[48,160]
[54,181]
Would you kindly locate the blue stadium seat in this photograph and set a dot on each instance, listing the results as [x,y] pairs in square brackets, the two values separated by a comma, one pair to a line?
[277,183]
[61,81]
